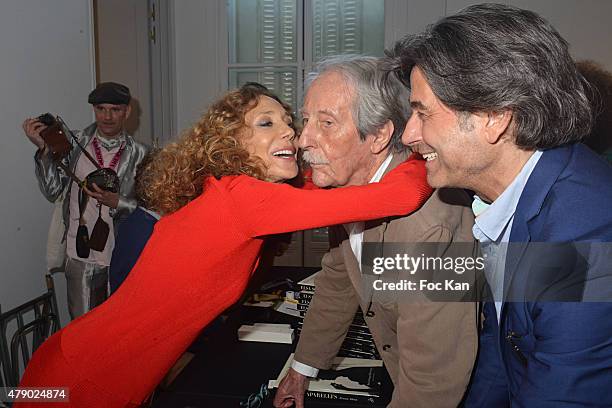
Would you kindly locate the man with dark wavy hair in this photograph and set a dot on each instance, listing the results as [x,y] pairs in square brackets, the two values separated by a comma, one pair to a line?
[499,108]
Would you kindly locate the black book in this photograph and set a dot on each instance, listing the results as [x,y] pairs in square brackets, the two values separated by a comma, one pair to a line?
[349,380]
[357,354]
[358,339]
[354,331]
[308,283]
[364,337]
[305,296]
[350,348]
[359,320]
[304,302]
[367,347]
[356,328]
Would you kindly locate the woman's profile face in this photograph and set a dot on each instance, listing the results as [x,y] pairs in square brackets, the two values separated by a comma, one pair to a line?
[269,136]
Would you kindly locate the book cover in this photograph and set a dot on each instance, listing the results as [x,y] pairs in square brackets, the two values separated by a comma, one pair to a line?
[357,354]
[308,283]
[366,347]
[349,380]
[305,296]
[354,332]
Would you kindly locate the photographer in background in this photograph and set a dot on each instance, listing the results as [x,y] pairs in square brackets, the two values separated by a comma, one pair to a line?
[110,146]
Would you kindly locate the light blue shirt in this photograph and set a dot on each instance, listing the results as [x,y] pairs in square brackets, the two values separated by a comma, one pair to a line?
[492,228]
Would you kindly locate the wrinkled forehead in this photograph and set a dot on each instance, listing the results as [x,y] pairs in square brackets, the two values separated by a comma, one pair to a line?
[329,92]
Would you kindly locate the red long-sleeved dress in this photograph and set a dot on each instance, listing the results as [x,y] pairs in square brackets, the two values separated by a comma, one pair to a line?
[195,265]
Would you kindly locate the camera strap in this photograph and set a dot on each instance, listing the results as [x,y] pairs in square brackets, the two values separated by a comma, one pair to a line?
[76,141]
[70,173]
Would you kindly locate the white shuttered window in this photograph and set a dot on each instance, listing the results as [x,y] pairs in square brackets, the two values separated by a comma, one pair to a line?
[274,42]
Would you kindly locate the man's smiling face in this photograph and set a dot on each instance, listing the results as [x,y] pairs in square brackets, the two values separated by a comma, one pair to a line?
[449,141]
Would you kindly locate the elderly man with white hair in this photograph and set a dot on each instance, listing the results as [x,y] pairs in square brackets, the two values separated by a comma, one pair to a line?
[353,116]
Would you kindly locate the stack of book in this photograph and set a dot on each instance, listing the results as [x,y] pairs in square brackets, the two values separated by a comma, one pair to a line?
[266,333]
[350,380]
[358,342]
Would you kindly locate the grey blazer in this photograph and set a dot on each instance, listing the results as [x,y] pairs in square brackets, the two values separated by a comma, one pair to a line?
[54,183]
[429,348]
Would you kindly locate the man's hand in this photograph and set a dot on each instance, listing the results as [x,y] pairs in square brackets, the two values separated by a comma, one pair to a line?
[291,390]
[104,197]
[32,129]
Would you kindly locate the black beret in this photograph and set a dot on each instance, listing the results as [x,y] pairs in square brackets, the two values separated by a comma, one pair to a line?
[110,92]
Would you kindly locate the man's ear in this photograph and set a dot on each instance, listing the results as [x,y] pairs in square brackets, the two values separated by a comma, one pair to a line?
[382,138]
[128,110]
[497,124]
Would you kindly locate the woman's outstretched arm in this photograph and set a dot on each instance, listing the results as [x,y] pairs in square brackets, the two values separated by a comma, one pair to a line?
[266,208]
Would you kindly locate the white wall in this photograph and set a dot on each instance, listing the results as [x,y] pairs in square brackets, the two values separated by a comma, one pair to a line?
[47,66]
[200,39]
[585,24]
[410,17]
[123,56]
[199,31]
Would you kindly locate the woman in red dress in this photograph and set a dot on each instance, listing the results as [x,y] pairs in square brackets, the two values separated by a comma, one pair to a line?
[221,194]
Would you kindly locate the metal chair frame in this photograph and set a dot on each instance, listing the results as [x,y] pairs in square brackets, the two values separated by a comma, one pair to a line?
[45,322]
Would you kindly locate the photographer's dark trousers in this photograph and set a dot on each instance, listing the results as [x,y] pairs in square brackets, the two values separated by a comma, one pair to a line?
[87,286]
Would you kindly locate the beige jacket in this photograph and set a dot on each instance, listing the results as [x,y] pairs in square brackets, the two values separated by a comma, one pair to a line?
[429,347]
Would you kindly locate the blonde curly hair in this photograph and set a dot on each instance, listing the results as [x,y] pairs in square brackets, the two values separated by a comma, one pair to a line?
[212,147]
